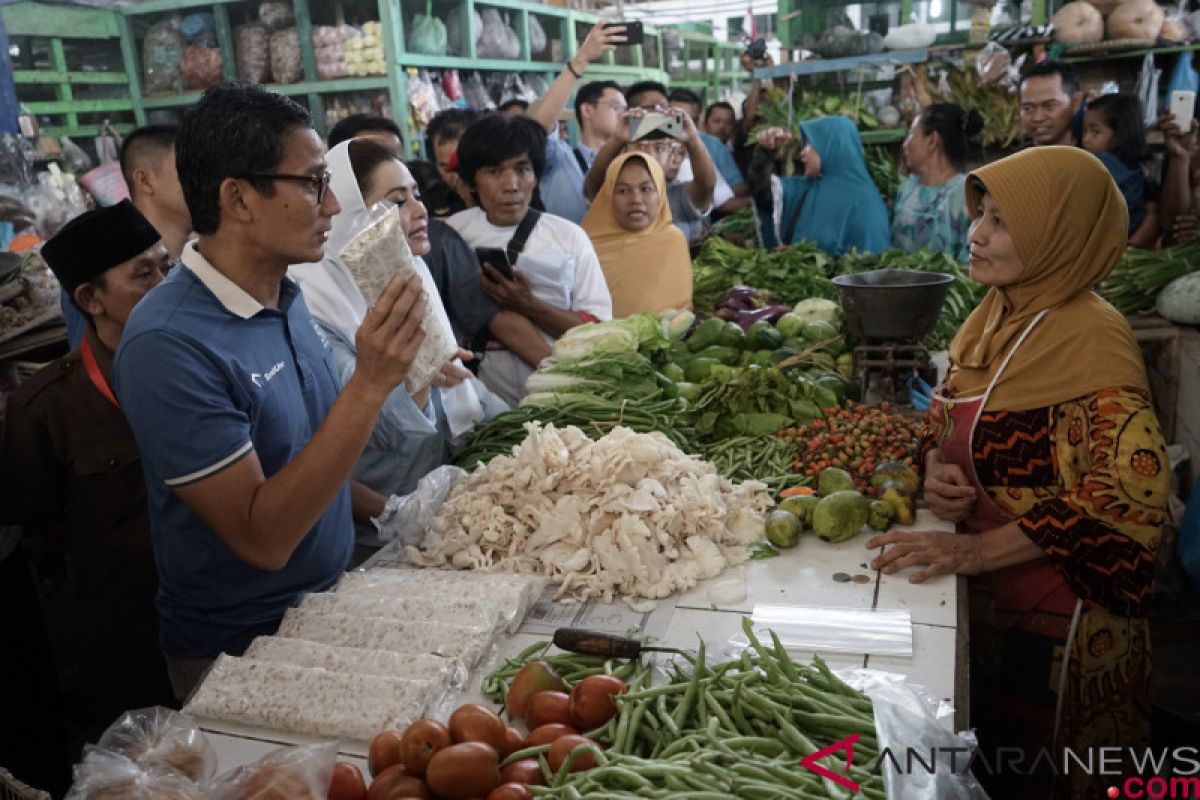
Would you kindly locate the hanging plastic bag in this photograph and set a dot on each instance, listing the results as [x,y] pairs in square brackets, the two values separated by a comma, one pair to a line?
[106,183]
[428,34]
[421,97]
[201,67]
[286,63]
[329,51]
[161,51]
[1183,76]
[497,40]
[104,775]
[476,94]
[251,49]
[537,36]
[454,38]
[159,738]
[452,85]
[199,29]
[1147,90]
[377,255]
[538,84]
[276,15]
[297,773]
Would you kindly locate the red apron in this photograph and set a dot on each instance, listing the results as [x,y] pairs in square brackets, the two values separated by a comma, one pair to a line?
[1032,596]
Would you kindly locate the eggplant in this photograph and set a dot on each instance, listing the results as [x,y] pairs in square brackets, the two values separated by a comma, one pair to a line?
[770,313]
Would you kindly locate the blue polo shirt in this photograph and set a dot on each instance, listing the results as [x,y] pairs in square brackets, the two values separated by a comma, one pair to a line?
[207,375]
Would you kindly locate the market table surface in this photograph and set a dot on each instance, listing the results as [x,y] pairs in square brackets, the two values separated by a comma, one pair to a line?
[802,576]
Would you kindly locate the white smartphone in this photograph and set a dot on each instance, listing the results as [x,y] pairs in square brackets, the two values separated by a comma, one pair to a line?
[1183,108]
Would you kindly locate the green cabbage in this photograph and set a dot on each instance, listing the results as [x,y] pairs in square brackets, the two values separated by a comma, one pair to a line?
[817,309]
[588,340]
[604,375]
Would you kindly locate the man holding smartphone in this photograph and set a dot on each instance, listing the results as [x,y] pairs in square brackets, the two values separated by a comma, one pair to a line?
[598,106]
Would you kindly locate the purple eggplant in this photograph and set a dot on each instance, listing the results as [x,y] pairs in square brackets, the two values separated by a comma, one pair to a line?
[770,313]
[744,298]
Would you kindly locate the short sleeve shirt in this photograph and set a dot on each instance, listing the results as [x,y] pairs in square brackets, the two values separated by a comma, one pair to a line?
[455,270]
[206,375]
[562,181]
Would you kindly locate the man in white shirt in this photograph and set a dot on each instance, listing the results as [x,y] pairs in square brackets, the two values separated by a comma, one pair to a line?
[556,279]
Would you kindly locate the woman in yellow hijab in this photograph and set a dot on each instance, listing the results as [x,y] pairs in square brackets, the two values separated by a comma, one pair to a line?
[643,254]
[1044,447]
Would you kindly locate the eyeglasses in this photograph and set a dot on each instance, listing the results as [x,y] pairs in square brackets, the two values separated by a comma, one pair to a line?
[663,149]
[319,183]
[619,108]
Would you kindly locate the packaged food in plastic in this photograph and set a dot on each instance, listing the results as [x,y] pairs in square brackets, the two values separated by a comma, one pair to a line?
[162,50]
[199,29]
[452,85]
[201,66]
[421,97]
[454,37]
[428,33]
[476,94]
[377,255]
[537,36]
[105,775]
[276,15]
[160,738]
[538,84]
[289,773]
[286,63]
[329,50]
[498,39]
[251,47]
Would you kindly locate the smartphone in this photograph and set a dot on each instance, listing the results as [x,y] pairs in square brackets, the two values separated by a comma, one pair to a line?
[634,33]
[497,258]
[667,124]
[1183,108]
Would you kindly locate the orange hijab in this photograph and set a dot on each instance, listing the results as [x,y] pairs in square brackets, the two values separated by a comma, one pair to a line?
[647,270]
[1068,222]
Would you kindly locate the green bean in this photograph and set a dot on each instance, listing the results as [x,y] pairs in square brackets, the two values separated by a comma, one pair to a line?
[528,752]
[685,706]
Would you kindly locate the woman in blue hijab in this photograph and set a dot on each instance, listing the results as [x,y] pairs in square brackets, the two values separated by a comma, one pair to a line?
[834,204]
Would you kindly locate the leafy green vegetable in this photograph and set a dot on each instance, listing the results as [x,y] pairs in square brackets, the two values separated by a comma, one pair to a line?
[604,375]
[791,275]
[1136,281]
[587,340]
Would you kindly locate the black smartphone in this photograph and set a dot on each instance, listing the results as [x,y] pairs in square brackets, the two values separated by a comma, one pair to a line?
[634,33]
[497,258]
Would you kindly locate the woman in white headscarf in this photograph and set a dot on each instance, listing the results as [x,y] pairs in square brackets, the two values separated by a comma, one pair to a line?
[414,433]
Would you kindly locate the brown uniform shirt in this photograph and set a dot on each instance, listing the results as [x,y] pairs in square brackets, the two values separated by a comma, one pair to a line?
[73,478]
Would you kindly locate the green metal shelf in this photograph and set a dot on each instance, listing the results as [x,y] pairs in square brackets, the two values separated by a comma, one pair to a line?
[290,89]
[1136,53]
[32,76]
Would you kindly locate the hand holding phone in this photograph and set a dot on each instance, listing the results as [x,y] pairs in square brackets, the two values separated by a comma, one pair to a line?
[634,31]
[497,258]
[1183,108]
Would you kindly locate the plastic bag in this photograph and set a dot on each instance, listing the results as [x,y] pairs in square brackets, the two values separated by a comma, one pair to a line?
[286,63]
[199,29]
[251,47]
[452,85]
[538,84]
[330,52]
[454,38]
[201,67]
[1177,29]
[537,36]
[497,40]
[476,94]
[76,159]
[406,518]
[161,51]
[994,65]
[276,15]
[289,773]
[1183,76]
[377,255]
[421,97]
[428,33]
[159,738]
[104,775]
[1147,90]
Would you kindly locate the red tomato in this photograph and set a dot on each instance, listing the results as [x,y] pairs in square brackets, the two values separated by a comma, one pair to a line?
[420,741]
[592,702]
[394,783]
[546,734]
[347,783]
[464,771]
[526,771]
[534,677]
[513,741]
[562,748]
[385,751]
[476,723]
[510,791]
[549,707]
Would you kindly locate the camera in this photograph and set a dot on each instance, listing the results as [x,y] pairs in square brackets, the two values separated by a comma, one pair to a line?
[757,49]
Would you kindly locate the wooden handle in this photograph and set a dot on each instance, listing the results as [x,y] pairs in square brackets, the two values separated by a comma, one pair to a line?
[595,643]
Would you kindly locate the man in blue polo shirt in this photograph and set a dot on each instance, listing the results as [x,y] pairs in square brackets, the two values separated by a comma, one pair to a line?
[246,435]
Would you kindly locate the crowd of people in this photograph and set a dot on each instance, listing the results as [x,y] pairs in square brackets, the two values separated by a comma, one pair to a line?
[232,419]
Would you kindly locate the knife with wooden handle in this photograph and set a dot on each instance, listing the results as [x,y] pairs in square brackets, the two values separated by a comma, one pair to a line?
[596,643]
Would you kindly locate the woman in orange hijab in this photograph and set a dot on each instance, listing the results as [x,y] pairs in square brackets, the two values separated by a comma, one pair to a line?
[643,254]
[1044,447]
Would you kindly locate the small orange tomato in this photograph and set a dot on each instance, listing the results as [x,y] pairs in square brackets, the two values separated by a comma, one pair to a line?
[549,707]
[547,734]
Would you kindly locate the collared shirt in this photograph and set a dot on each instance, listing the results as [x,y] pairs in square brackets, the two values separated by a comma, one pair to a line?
[73,478]
[207,375]
[561,185]
[722,158]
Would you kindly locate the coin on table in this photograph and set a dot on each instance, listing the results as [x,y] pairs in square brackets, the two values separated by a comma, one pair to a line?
[841,577]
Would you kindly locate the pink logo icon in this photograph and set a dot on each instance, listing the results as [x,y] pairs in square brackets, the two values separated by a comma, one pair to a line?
[846,745]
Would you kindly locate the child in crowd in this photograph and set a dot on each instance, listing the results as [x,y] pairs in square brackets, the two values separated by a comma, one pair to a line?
[1112,131]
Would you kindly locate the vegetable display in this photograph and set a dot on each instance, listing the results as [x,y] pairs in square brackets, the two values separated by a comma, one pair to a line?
[1135,283]
[717,731]
[767,459]
[857,439]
